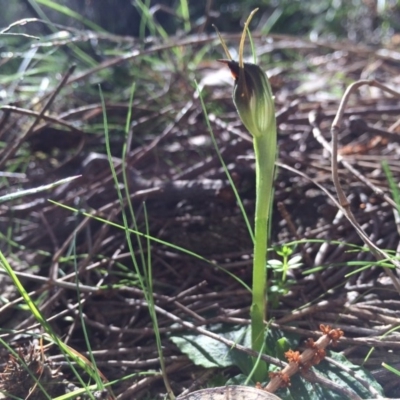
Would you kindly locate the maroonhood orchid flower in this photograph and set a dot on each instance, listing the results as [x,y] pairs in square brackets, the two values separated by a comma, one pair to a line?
[254,102]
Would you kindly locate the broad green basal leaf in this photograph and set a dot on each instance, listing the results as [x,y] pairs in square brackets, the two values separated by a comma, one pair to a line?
[211,353]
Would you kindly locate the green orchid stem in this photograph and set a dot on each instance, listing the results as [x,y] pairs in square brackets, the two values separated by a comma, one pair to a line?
[265,153]
[255,105]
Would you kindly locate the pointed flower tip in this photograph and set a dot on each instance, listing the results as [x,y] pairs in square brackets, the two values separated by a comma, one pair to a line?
[233,66]
[253,98]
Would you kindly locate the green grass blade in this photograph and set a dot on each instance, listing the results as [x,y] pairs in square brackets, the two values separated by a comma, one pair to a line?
[27,192]
[43,322]
[225,168]
[68,12]
[153,239]
[184,12]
